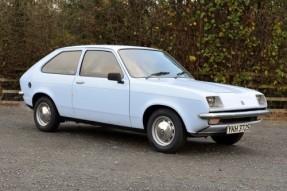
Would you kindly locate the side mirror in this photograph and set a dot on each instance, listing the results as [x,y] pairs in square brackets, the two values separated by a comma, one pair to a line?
[115,77]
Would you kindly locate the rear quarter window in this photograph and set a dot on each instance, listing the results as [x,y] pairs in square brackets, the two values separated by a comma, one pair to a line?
[64,63]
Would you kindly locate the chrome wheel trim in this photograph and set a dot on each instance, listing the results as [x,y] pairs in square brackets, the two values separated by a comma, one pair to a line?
[163,131]
[43,114]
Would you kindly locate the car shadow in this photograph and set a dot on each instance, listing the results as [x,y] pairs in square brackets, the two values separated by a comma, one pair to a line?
[139,140]
[103,133]
[203,146]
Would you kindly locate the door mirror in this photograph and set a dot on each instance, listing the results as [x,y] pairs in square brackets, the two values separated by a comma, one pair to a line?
[115,77]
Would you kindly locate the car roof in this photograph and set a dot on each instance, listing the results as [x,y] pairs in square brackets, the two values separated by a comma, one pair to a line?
[113,47]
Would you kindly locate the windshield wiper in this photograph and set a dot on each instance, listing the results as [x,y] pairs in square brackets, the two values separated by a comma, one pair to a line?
[179,74]
[158,74]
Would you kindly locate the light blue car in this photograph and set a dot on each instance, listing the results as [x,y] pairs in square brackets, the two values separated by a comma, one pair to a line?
[138,88]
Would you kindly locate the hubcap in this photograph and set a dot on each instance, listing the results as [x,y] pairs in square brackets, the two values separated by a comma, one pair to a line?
[43,114]
[163,130]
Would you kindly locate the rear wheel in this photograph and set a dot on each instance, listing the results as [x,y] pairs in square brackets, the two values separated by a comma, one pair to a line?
[46,116]
[165,131]
[227,139]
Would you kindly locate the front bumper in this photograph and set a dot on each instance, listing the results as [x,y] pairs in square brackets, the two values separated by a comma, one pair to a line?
[229,118]
[228,115]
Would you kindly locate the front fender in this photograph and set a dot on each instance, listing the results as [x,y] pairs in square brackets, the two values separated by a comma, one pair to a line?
[187,109]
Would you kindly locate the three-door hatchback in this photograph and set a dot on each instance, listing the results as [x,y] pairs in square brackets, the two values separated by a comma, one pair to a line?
[139,88]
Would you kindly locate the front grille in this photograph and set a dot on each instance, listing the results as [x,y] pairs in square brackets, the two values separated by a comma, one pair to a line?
[237,120]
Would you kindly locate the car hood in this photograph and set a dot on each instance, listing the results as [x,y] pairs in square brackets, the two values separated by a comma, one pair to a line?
[232,97]
[209,87]
[165,85]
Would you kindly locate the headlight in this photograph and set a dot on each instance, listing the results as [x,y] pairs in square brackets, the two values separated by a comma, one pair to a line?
[261,100]
[214,101]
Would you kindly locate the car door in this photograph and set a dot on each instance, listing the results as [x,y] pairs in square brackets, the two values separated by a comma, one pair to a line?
[95,98]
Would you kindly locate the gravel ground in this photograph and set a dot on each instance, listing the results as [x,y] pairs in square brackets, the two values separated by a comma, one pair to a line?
[83,157]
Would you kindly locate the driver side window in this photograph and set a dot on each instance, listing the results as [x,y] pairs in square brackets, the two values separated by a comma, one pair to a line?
[99,64]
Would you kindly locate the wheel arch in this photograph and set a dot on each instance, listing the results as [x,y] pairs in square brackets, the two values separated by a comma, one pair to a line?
[38,96]
[148,112]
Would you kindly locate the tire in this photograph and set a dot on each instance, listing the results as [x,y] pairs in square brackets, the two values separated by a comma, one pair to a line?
[227,139]
[46,116]
[165,131]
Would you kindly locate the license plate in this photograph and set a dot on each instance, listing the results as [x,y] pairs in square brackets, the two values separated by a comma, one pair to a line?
[238,128]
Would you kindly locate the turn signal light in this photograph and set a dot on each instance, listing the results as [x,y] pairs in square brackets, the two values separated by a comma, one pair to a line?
[213,121]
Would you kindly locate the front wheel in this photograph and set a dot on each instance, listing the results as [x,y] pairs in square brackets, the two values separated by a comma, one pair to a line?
[46,115]
[165,131]
[227,139]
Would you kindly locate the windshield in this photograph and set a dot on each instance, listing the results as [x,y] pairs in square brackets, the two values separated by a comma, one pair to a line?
[142,63]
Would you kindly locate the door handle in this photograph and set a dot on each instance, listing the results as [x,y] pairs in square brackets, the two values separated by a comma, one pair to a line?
[80,82]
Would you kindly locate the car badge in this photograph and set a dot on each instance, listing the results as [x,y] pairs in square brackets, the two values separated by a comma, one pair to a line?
[242,102]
